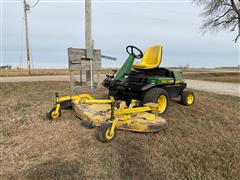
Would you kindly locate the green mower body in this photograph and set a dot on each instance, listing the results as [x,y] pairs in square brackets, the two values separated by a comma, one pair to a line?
[144,84]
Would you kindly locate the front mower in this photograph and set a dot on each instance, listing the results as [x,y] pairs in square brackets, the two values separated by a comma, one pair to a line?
[146,81]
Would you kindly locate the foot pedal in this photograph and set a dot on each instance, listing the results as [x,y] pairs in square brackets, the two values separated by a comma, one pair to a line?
[87,124]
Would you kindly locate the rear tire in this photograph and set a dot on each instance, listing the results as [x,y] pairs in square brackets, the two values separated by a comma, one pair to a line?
[187,98]
[159,96]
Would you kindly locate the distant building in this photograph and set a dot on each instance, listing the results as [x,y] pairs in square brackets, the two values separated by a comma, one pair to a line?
[6,67]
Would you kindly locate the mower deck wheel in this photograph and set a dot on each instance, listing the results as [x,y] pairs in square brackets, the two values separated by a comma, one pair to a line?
[103,132]
[52,115]
[187,98]
[157,95]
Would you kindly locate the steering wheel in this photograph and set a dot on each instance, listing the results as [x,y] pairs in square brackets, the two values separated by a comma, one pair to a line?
[130,50]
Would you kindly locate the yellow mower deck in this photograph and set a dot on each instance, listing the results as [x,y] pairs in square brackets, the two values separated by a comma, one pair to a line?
[138,122]
[108,115]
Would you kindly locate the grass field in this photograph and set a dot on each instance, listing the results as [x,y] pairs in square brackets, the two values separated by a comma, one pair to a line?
[34,72]
[202,141]
[233,77]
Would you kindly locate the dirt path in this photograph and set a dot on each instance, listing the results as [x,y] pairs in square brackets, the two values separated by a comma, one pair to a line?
[209,86]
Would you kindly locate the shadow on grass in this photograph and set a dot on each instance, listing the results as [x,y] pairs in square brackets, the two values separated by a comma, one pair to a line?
[55,169]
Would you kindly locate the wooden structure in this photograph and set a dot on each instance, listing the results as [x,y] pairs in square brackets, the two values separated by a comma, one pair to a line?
[79,67]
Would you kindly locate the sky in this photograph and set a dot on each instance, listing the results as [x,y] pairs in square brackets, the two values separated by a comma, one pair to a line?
[56,25]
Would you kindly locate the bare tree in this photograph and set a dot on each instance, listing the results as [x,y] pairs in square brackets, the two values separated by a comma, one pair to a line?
[220,14]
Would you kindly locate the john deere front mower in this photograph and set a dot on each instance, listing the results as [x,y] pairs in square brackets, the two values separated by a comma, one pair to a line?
[146,81]
[138,93]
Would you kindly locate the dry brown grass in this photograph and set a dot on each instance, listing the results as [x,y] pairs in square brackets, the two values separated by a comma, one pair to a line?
[233,77]
[202,141]
[34,72]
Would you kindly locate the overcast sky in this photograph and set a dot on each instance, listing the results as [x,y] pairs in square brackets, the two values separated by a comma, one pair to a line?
[55,25]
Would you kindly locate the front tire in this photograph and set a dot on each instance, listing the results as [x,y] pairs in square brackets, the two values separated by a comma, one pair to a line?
[187,98]
[159,96]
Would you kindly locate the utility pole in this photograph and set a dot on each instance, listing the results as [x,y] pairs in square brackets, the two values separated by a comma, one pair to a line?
[88,37]
[26,9]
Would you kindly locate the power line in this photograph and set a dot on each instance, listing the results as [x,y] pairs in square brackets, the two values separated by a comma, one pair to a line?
[144,17]
[169,11]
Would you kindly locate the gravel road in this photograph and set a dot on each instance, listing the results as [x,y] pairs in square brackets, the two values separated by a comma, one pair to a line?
[209,86]
[215,87]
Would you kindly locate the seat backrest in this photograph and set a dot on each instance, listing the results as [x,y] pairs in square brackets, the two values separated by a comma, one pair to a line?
[152,56]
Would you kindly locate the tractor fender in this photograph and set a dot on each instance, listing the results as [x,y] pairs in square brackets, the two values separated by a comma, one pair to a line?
[147,87]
